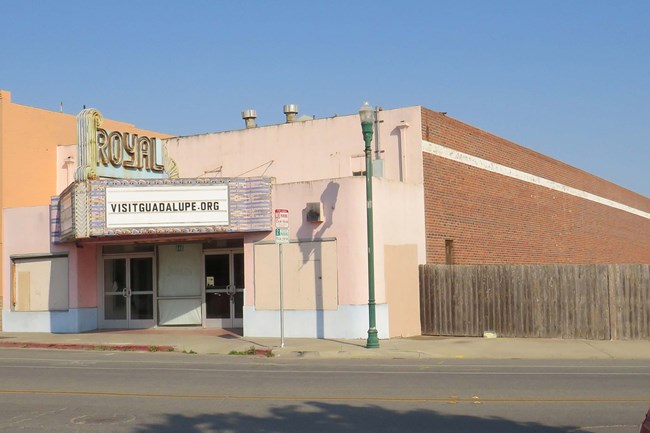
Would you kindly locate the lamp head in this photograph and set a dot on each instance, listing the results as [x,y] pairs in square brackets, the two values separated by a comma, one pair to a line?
[365,113]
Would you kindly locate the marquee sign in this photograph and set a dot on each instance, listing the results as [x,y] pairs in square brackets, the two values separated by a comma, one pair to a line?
[167,206]
[120,207]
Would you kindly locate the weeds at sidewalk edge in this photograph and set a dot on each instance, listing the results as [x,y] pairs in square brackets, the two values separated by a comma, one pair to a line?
[252,351]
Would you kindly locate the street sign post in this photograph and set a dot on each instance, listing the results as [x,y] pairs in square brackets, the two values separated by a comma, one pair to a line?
[281,226]
[281,238]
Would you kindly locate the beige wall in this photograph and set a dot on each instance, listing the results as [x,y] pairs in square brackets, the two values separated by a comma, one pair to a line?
[4,99]
[30,140]
[402,289]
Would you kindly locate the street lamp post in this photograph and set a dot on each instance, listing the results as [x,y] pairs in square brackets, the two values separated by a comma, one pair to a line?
[367,119]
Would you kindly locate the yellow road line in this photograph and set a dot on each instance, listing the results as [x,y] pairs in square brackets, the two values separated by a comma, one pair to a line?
[450,399]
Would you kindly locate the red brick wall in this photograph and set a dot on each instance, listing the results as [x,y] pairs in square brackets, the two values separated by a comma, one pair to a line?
[492,218]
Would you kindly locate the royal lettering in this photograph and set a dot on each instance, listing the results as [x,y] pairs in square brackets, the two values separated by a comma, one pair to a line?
[123,149]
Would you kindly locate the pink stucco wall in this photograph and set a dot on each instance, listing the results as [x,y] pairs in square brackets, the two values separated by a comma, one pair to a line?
[34,238]
[313,161]
[84,292]
[327,148]
[344,208]
[27,231]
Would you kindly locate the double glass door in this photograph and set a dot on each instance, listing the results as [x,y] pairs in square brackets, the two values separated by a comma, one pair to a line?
[224,288]
[129,291]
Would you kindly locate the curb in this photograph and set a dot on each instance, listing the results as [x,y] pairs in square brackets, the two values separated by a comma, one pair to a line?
[94,347]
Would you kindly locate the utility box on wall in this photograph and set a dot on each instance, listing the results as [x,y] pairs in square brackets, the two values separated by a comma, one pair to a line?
[315,212]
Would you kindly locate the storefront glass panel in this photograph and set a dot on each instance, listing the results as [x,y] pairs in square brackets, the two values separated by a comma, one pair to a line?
[129,291]
[224,288]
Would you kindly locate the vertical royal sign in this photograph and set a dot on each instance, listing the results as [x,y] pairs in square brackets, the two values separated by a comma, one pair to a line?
[281,226]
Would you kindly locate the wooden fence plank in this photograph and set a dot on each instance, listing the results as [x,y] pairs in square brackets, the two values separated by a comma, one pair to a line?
[611,301]
[644,289]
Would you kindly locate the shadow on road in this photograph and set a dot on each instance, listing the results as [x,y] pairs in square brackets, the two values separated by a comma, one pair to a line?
[316,417]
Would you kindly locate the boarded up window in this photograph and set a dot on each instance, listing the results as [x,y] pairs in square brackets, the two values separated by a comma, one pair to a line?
[310,276]
[40,283]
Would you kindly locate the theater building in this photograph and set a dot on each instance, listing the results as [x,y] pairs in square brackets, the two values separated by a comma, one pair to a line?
[110,226]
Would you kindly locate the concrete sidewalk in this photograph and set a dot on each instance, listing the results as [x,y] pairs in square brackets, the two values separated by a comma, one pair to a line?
[223,342]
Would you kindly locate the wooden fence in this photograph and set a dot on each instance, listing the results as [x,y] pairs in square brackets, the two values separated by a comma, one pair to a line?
[598,302]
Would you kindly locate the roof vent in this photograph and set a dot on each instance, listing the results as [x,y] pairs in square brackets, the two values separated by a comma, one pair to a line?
[249,117]
[290,110]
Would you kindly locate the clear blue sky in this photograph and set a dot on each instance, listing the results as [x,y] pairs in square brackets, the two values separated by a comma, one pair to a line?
[570,79]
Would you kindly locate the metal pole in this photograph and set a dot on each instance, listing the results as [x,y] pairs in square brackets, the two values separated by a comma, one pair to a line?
[281,300]
[373,340]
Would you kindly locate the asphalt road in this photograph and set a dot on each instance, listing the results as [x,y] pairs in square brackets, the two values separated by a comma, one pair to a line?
[70,391]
